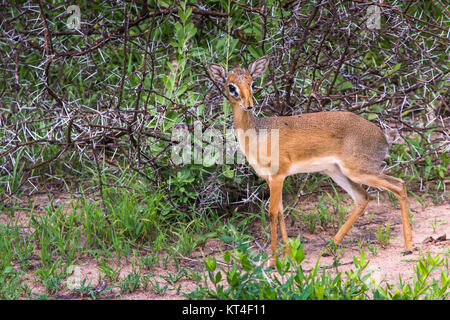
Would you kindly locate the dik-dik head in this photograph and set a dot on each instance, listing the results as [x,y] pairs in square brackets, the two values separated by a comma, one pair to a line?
[238,83]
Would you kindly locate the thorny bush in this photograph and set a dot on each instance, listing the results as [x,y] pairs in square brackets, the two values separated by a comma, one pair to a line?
[100,101]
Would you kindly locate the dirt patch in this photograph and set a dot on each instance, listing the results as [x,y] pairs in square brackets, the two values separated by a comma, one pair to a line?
[430,224]
[430,227]
[431,233]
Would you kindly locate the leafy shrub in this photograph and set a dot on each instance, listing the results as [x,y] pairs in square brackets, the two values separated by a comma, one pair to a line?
[245,277]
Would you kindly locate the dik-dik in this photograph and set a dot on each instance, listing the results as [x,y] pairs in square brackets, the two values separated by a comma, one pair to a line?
[342,145]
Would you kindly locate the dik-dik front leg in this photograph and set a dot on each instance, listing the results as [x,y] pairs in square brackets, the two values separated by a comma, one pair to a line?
[276,215]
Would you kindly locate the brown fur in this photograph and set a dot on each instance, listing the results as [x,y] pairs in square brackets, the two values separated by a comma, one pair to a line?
[343,145]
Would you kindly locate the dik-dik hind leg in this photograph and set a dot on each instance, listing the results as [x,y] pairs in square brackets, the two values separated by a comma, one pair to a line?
[397,187]
[358,194]
[282,225]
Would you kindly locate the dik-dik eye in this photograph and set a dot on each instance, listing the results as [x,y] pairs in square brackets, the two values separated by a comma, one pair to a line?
[252,86]
[233,90]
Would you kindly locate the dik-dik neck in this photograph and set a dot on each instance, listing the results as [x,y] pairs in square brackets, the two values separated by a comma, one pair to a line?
[243,119]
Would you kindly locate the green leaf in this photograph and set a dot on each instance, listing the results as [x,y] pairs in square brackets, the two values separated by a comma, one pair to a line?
[226,239]
[319,292]
[218,277]
[346,85]
[227,172]
[227,256]
[255,52]
[179,32]
[396,67]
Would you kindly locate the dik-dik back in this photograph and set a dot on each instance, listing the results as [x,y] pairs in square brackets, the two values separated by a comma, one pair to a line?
[337,137]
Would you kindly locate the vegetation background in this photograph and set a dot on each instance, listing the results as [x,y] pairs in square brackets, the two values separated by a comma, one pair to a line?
[90,112]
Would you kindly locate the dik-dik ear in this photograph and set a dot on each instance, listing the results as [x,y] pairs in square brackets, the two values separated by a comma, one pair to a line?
[217,73]
[258,67]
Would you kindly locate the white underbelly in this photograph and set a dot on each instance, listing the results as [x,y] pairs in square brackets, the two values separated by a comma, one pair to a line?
[313,165]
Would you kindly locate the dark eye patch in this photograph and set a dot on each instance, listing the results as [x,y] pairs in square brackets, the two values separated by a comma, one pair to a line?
[232,89]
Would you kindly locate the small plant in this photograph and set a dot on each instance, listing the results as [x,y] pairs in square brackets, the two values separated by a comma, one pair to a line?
[149,261]
[383,236]
[310,220]
[109,272]
[435,224]
[172,278]
[373,249]
[422,287]
[86,289]
[340,210]
[411,218]
[51,276]
[131,282]
[14,180]
[51,279]
[158,288]
[334,250]
[11,285]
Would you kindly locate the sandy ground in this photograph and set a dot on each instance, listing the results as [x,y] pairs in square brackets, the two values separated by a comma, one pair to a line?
[387,263]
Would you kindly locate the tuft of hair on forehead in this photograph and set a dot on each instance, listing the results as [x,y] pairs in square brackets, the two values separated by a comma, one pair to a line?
[239,74]
[237,70]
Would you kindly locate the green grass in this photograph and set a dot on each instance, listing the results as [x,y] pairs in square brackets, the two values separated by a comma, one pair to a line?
[246,277]
[142,229]
[383,235]
[139,226]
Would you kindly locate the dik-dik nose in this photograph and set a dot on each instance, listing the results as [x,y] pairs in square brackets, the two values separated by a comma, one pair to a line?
[248,105]
[247,101]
